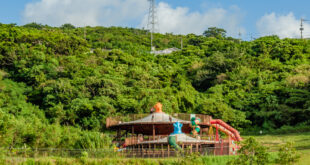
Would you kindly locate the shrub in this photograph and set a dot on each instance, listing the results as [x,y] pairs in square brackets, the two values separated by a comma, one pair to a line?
[251,152]
[287,154]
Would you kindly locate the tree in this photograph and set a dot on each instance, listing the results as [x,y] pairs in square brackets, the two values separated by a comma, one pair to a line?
[67,26]
[81,82]
[215,32]
[34,25]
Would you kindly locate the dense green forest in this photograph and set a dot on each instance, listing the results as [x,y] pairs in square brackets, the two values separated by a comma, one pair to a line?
[58,85]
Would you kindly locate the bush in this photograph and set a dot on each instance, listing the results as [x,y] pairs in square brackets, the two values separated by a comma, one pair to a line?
[251,152]
[287,154]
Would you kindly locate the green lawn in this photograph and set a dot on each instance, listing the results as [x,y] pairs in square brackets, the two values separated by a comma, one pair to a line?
[301,140]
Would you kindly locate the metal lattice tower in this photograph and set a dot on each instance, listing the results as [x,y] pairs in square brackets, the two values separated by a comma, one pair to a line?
[152,21]
[301,28]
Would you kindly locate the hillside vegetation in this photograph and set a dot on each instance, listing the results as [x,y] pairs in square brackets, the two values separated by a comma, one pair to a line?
[58,85]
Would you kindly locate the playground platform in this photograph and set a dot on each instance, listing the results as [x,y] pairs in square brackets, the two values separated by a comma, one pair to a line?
[147,135]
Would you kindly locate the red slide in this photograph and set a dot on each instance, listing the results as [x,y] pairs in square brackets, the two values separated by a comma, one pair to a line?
[227,129]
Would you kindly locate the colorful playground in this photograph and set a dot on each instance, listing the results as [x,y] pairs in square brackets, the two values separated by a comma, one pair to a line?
[162,135]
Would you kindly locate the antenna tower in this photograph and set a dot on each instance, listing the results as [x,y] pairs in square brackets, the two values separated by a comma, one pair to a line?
[301,27]
[152,21]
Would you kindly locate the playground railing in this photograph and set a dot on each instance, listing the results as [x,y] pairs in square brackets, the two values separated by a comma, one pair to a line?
[133,139]
[112,121]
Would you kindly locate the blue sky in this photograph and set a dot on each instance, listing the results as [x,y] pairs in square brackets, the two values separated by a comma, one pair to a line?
[250,17]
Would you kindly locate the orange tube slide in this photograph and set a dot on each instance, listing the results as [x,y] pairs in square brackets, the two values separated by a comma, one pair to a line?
[227,129]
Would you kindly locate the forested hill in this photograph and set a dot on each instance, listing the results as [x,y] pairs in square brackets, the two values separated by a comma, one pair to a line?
[70,79]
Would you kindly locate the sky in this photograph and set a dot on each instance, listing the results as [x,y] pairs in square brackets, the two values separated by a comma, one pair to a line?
[248,18]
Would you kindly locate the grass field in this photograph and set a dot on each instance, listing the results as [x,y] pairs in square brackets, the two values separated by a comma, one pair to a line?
[301,140]
[216,160]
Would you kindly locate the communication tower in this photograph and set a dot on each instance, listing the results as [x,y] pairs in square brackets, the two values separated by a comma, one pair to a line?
[152,21]
[301,27]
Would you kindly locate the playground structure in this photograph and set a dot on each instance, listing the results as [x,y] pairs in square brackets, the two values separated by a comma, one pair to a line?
[161,135]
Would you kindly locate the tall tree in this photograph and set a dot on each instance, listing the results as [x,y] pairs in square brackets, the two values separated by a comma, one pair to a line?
[215,32]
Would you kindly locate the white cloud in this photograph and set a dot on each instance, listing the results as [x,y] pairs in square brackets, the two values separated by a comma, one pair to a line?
[179,20]
[85,12]
[285,26]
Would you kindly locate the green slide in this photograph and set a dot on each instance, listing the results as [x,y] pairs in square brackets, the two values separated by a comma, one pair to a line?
[173,142]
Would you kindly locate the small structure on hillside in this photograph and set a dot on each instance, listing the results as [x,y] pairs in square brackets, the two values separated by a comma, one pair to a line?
[165,51]
[162,135]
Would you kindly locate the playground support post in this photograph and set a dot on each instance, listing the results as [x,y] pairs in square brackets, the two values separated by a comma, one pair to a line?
[217,134]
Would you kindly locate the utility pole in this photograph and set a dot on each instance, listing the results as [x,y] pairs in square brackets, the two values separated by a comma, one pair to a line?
[239,36]
[181,42]
[152,21]
[301,28]
[85,32]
